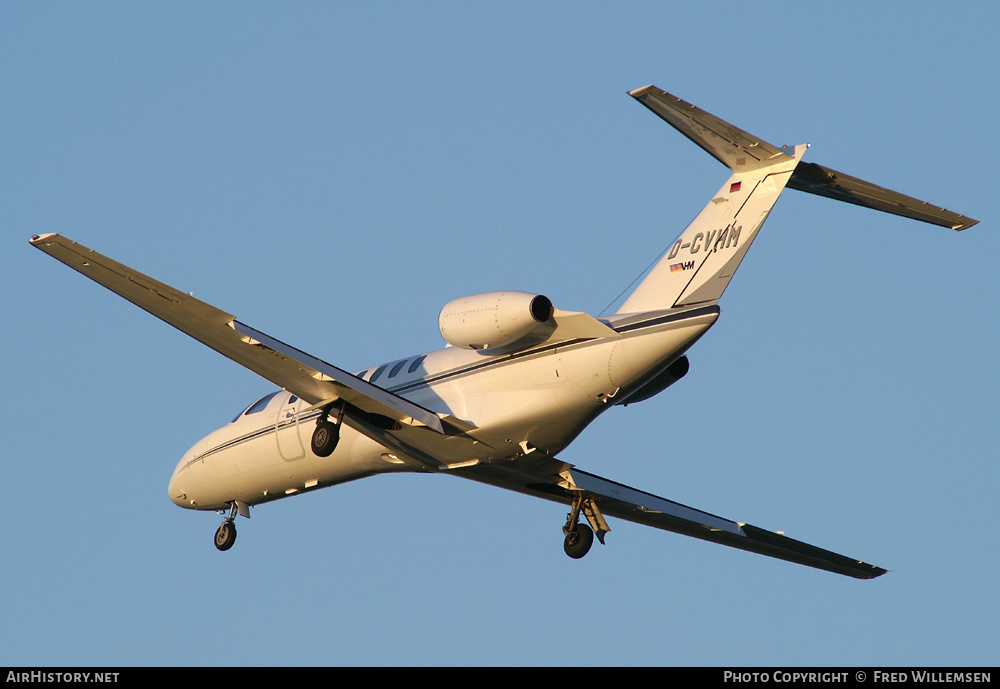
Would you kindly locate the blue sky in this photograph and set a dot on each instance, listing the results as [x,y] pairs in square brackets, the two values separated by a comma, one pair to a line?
[333,174]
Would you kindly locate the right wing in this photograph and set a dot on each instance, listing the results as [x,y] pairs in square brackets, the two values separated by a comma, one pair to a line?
[551,479]
[306,376]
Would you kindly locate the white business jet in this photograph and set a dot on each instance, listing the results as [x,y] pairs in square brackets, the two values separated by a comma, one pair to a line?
[519,379]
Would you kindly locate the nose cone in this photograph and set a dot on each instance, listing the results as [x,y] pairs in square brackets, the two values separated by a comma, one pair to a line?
[181,483]
[177,494]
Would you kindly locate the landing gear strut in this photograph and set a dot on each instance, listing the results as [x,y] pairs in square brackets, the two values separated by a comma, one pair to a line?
[327,434]
[580,536]
[226,534]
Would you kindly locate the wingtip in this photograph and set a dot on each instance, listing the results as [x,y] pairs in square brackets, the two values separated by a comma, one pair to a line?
[35,239]
[641,91]
[865,570]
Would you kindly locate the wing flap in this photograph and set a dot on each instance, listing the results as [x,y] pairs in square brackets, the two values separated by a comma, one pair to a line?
[304,375]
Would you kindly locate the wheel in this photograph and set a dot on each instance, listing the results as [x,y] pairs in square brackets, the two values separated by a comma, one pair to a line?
[225,536]
[325,439]
[578,541]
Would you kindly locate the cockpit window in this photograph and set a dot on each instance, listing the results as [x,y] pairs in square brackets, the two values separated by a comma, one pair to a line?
[260,404]
[257,406]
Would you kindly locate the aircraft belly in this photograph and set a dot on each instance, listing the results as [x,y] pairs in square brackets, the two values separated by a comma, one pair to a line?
[539,417]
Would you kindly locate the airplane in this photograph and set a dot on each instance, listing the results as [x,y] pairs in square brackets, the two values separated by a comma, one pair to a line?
[519,379]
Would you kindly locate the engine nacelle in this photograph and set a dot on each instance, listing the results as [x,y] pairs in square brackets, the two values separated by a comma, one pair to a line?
[492,319]
[663,380]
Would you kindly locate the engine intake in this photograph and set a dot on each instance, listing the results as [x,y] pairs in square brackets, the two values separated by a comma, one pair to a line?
[492,319]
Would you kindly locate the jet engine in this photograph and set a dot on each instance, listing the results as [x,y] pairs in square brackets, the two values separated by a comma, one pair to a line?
[663,380]
[492,319]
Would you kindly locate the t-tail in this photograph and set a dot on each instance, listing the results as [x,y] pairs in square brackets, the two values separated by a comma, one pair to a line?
[698,266]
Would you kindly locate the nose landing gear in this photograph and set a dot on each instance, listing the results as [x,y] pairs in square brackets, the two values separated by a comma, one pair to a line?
[225,536]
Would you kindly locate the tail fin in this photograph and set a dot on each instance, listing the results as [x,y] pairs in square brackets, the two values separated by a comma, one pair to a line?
[700,263]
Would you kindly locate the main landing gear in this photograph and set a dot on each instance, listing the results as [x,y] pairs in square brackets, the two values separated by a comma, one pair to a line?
[327,434]
[226,534]
[578,541]
[579,536]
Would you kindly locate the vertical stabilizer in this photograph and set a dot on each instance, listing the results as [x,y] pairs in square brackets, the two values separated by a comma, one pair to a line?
[698,266]
[700,263]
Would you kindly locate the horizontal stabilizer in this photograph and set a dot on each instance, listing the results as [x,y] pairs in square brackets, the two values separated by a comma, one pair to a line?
[738,150]
[741,151]
[823,181]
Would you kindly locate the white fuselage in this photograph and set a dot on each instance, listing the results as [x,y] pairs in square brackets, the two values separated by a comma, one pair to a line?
[538,398]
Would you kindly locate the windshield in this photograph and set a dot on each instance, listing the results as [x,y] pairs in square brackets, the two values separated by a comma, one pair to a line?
[256,406]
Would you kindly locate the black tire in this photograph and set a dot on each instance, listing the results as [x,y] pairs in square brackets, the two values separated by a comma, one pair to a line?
[225,536]
[578,541]
[325,438]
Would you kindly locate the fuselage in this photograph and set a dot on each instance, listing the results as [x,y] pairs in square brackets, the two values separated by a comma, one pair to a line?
[519,401]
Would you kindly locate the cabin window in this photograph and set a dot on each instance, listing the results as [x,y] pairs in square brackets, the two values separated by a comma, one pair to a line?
[378,372]
[395,369]
[416,364]
[293,399]
[362,374]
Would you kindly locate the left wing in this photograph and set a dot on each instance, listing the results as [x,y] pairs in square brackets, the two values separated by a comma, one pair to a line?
[549,478]
[306,376]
